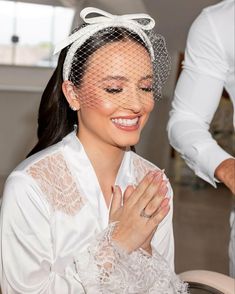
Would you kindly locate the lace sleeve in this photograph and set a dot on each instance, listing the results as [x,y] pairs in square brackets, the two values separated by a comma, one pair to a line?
[106,268]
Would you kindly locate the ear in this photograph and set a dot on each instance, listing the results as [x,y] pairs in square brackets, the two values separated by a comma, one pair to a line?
[70,94]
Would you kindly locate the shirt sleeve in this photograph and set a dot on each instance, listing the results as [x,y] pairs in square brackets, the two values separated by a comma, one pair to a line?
[28,263]
[196,99]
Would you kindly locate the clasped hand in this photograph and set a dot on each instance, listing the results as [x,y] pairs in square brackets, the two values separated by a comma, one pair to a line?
[139,211]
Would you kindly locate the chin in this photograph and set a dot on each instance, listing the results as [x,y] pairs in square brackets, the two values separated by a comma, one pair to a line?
[128,143]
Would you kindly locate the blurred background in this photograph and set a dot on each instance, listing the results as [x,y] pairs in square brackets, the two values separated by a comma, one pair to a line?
[28,32]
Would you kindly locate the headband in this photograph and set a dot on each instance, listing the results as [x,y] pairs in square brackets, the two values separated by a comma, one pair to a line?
[105,20]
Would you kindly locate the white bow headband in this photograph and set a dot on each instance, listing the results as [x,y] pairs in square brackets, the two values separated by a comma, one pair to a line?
[106,20]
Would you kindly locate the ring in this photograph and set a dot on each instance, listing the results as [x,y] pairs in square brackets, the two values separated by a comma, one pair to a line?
[143,214]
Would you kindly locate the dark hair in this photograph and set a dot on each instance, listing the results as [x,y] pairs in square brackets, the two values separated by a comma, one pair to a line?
[55,118]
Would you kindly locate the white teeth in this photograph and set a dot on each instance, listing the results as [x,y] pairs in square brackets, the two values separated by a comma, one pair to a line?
[125,122]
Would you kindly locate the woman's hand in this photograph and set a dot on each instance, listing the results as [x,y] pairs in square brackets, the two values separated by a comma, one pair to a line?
[143,209]
[147,244]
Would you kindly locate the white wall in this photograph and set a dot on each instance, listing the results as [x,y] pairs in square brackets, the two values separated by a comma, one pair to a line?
[25,78]
[20,91]
[173,18]
[21,87]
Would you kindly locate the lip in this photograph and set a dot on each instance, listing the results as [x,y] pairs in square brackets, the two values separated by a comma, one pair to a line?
[126,117]
[127,128]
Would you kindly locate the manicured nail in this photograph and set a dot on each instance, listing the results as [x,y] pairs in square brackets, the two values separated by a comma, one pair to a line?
[158,177]
[151,174]
[163,190]
[165,202]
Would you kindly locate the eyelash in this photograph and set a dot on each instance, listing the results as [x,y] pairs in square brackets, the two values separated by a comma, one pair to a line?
[119,90]
[113,90]
[147,89]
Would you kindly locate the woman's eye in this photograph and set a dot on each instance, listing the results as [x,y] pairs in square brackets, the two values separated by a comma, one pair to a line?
[113,90]
[147,89]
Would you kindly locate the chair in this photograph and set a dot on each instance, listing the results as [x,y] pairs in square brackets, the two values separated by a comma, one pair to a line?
[201,281]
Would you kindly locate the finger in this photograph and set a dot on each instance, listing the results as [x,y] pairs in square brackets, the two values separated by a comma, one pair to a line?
[129,190]
[116,201]
[156,219]
[144,185]
[153,222]
[163,189]
[153,205]
[164,203]
[151,191]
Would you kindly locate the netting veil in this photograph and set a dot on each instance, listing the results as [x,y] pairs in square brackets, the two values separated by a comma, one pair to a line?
[117,58]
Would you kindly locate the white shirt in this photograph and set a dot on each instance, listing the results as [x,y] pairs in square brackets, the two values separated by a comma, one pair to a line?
[54,222]
[207,68]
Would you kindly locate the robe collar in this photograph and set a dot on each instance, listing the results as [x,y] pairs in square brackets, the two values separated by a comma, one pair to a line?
[85,176]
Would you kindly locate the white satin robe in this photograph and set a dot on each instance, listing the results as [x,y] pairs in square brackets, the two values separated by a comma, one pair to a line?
[53,210]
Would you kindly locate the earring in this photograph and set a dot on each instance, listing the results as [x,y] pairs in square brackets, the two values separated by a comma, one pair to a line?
[73,107]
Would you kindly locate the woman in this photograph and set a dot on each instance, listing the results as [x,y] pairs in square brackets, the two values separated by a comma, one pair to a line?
[85,214]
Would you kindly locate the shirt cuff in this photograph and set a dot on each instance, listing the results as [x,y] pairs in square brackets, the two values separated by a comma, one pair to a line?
[209,158]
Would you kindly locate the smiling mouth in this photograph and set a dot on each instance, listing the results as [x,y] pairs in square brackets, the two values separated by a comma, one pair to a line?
[126,122]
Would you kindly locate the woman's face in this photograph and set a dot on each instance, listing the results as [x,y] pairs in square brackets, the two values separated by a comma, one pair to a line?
[116,94]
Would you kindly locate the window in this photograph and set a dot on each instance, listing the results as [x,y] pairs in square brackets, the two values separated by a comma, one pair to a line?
[31,31]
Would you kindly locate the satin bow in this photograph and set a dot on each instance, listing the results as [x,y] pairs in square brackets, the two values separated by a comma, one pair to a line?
[106,18]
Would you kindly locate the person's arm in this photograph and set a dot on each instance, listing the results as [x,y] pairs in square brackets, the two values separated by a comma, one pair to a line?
[29,263]
[142,270]
[196,99]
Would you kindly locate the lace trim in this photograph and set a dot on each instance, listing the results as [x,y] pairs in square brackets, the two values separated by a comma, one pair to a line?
[141,168]
[56,182]
[106,268]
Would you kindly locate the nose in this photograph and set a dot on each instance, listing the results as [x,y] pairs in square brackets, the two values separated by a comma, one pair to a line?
[133,101]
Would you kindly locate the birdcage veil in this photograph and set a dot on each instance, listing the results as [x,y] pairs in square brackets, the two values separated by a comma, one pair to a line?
[121,43]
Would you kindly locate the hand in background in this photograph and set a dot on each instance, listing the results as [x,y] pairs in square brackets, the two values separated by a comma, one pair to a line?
[225,172]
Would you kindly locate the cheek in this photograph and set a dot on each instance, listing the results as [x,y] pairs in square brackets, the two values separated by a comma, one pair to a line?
[148,106]
[94,98]
[147,111]
[107,106]
[98,108]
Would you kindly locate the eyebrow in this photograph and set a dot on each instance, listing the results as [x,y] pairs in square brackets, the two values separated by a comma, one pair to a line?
[147,77]
[121,78]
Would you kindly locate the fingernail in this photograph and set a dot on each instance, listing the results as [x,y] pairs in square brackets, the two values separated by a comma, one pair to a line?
[158,174]
[163,186]
[158,177]
[163,190]
[151,174]
[165,203]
